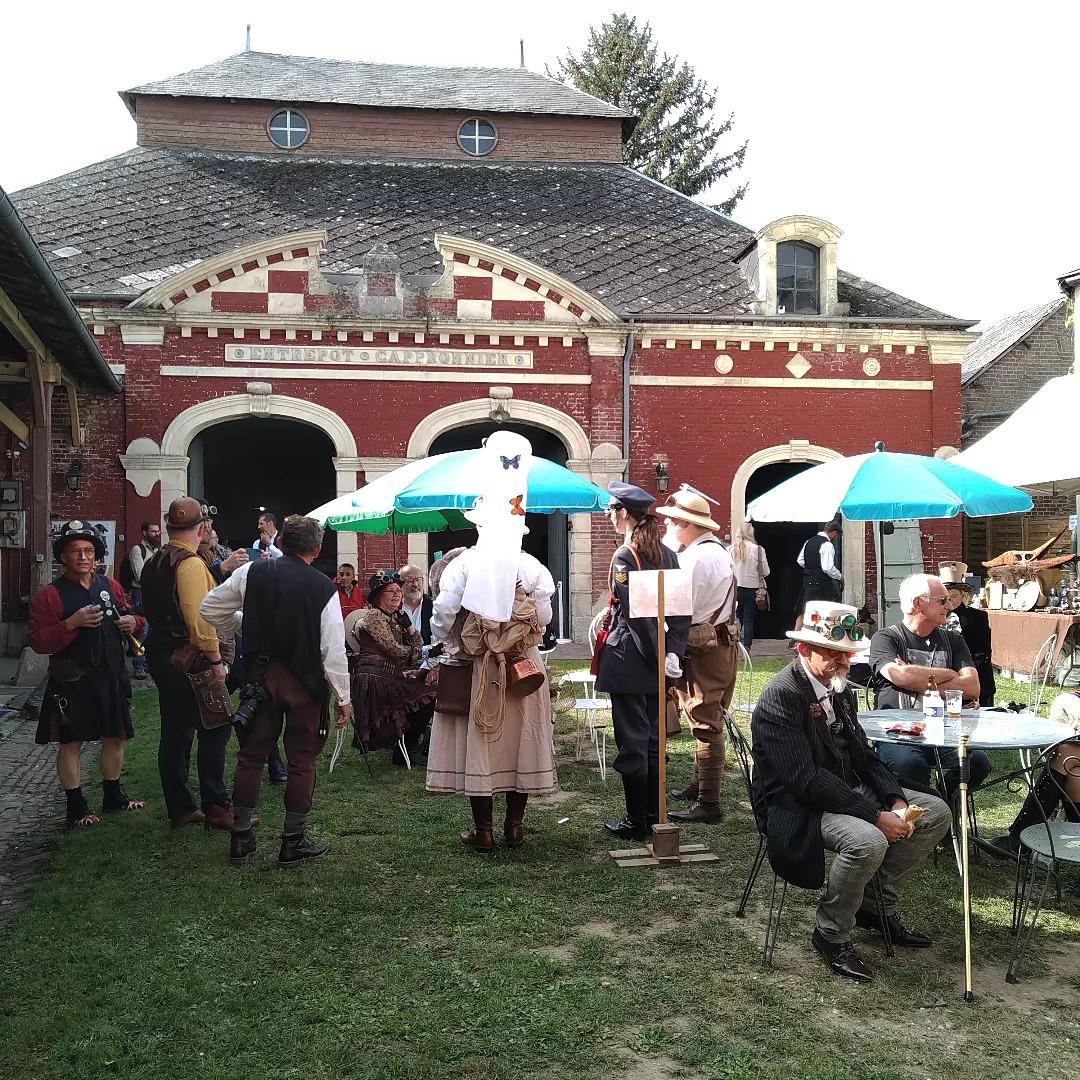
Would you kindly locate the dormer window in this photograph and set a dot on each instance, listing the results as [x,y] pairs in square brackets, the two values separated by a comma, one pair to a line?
[288,129]
[791,268]
[477,137]
[797,286]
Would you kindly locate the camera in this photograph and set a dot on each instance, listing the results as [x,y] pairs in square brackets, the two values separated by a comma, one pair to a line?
[252,695]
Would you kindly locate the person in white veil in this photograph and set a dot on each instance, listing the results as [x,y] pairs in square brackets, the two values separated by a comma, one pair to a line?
[491,604]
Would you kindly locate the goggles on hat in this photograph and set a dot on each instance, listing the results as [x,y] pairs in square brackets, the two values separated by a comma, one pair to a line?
[386,577]
[847,626]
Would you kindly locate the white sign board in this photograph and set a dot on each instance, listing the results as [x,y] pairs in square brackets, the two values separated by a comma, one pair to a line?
[644,592]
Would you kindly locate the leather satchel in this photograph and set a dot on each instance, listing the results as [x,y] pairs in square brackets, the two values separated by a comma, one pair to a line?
[215,705]
[454,694]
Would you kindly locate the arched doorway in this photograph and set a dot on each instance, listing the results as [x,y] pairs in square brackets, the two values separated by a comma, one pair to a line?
[782,542]
[245,465]
[547,538]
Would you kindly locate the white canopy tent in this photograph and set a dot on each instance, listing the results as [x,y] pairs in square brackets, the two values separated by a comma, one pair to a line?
[1036,448]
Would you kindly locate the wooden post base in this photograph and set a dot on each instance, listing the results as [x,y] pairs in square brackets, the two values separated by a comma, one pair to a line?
[665,850]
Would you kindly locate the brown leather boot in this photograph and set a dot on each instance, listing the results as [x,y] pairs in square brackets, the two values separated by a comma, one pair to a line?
[513,832]
[219,816]
[480,837]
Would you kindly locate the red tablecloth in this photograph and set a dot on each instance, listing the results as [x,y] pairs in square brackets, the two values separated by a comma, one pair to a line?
[1018,635]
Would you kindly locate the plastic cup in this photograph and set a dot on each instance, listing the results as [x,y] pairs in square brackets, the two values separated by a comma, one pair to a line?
[954,702]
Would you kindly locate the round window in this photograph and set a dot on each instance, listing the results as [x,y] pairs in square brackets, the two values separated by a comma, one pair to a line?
[288,129]
[477,137]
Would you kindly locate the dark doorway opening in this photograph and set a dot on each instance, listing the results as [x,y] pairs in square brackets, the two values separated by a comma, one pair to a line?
[782,541]
[282,465]
[547,538]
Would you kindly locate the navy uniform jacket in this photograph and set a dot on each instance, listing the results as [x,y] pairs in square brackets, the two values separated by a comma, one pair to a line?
[628,662]
[798,774]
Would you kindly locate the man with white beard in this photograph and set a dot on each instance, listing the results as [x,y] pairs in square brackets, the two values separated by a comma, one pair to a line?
[817,785]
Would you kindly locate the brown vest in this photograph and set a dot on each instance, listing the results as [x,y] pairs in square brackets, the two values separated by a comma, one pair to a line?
[161,602]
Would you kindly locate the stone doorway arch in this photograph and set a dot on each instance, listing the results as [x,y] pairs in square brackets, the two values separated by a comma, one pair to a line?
[145,463]
[854,543]
[600,464]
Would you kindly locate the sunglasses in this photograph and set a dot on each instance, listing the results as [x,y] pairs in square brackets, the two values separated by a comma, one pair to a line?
[937,599]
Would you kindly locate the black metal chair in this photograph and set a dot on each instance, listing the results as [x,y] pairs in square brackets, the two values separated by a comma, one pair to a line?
[1044,846]
[743,755]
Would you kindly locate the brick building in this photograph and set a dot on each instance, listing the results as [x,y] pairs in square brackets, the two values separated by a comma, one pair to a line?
[1001,369]
[309,271]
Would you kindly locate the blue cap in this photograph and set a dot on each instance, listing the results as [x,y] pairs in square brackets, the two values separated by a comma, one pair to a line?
[632,499]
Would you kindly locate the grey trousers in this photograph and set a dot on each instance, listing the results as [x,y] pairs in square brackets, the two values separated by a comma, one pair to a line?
[862,851]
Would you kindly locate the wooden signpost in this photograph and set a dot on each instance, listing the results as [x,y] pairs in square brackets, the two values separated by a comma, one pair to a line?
[657,594]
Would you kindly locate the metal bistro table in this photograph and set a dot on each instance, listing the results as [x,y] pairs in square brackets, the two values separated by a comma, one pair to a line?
[987,729]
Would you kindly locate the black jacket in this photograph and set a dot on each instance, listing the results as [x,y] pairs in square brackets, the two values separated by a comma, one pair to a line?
[798,774]
[628,662]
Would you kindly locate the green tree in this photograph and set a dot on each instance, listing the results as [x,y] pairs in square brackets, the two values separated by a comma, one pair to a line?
[677,133]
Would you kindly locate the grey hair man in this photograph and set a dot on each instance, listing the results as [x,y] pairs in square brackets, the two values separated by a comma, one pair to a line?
[913,656]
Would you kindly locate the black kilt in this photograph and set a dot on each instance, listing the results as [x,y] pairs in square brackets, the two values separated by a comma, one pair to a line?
[95,707]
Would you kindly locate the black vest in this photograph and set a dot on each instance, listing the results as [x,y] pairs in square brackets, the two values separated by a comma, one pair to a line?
[283,605]
[161,603]
[94,646]
[812,572]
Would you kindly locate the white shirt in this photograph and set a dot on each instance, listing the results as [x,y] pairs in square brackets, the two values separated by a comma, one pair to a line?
[275,551]
[713,578]
[414,613]
[533,575]
[223,609]
[828,558]
[753,568]
[822,692]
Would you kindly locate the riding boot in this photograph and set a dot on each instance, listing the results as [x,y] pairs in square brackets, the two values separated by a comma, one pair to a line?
[513,832]
[633,826]
[709,772]
[480,836]
[1039,806]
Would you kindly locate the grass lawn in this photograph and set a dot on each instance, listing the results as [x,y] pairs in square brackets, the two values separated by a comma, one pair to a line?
[403,955]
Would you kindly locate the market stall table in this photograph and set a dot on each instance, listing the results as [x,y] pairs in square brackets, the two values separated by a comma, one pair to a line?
[1018,635]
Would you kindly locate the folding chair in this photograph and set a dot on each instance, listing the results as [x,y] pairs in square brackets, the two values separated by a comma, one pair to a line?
[776,908]
[1038,677]
[594,712]
[744,683]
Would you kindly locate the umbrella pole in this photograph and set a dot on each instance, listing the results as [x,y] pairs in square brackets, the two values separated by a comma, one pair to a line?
[962,754]
[879,561]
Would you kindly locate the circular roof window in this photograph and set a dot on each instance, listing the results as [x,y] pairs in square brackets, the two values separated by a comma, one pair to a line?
[288,129]
[477,137]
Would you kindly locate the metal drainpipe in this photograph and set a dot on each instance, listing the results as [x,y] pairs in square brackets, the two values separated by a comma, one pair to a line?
[32,253]
[627,353]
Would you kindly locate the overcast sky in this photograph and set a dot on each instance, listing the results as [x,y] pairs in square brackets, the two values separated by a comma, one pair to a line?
[940,137]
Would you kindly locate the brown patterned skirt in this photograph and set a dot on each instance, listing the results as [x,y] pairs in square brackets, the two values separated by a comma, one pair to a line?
[382,699]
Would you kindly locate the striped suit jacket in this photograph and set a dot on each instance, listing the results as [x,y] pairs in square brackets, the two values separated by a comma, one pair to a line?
[798,774]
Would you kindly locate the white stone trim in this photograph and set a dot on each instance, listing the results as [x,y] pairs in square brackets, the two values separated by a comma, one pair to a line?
[761,266]
[282,374]
[142,335]
[854,568]
[779,383]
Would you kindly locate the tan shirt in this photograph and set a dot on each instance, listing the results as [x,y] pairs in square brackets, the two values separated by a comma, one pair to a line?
[193,582]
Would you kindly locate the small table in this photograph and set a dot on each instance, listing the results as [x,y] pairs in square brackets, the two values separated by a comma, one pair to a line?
[987,729]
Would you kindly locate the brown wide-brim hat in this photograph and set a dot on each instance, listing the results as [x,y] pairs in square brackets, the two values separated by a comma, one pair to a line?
[686,506]
[185,513]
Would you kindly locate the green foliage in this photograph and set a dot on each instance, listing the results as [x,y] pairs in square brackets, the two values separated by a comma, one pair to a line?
[677,133]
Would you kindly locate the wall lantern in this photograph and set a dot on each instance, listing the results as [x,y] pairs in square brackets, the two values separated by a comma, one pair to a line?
[661,476]
[73,476]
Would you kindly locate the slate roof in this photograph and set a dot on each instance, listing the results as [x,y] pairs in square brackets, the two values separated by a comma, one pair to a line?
[33,287]
[637,246]
[996,340]
[275,77]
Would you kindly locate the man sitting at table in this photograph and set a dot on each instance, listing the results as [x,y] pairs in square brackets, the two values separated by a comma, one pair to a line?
[915,655]
[817,785]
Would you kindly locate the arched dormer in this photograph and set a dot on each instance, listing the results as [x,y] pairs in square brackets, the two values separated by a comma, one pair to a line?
[792,267]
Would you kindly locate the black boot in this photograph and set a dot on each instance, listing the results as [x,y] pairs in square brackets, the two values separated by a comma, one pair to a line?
[652,795]
[297,850]
[241,847]
[276,767]
[1039,806]
[634,825]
